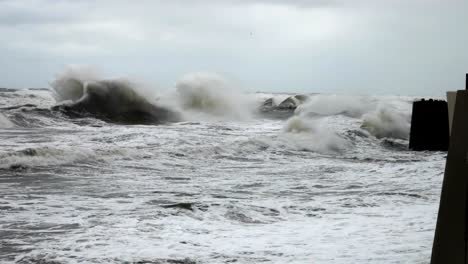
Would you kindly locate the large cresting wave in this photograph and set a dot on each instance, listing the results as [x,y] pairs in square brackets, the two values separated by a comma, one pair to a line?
[302,133]
[112,100]
[80,92]
[382,117]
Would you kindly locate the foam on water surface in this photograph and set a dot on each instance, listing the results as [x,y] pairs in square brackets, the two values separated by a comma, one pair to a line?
[309,189]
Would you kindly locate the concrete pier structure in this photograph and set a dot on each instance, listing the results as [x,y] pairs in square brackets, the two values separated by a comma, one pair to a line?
[429,126]
[451,98]
[451,235]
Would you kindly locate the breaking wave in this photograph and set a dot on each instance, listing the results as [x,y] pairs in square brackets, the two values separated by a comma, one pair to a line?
[381,117]
[204,96]
[112,100]
[352,106]
[386,122]
[314,121]
[208,96]
[312,135]
[297,124]
[43,156]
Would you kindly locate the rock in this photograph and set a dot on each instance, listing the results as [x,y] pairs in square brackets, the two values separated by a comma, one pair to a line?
[268,103]
[293,102]
[288,103]
[284,110]
[301,98]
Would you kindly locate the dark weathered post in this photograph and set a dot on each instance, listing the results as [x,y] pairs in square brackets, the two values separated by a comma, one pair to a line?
[451,235]
[429,126]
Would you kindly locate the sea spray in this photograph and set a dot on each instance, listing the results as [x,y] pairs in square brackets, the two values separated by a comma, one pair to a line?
[115,100]
[69,182]
[380,116]
[69,84]
[352,106]
[387,122]
[72,83]
[211,95]
[302,133]
[298,124]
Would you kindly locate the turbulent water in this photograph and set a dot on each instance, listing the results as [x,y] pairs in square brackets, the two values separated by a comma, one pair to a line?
[100,171]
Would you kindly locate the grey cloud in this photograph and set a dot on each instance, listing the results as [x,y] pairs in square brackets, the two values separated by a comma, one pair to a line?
[38,12]
[364,46]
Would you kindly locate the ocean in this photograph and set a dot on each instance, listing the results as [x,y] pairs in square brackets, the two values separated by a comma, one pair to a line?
[109,171]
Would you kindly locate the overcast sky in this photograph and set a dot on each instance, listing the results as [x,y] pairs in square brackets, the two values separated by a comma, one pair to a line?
[409,47]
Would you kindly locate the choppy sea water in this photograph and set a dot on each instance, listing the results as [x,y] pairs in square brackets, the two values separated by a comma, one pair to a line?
[320,189]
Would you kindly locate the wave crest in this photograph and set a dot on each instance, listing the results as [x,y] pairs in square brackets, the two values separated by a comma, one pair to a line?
[112,100]
[387,122]
[312,135]
[296,124]
[352,106]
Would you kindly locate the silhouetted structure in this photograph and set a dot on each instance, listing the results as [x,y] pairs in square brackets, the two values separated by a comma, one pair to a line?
[451,98]
[429,126]
[451,235]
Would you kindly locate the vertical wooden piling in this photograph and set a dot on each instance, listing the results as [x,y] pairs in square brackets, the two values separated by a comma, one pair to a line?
[451,235]
[466,82]
[429,126]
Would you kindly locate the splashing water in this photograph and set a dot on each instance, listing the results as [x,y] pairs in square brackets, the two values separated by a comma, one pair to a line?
[211,94]
[220,185]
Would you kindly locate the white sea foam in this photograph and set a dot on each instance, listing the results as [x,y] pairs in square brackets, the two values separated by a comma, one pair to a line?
[259,193]
[302,133]
[208,96]
[118,100]
[386,121]
[298,124]
[381,116]
[45,156]
[70,83]
[277,98]
[353,106]
[211,94]
[5,122]
[197,96]
[76,81]
[65,155]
